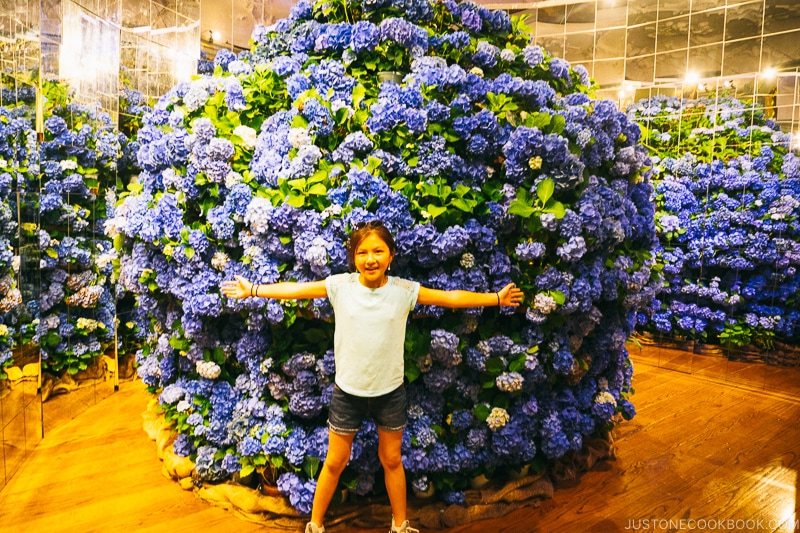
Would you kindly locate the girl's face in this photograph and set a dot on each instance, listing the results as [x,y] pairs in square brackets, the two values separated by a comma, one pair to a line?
[372,258]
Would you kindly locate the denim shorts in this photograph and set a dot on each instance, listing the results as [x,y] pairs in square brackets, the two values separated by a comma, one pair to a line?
[346,413]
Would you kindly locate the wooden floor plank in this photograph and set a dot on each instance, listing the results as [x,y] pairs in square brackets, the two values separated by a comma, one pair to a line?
[697,449]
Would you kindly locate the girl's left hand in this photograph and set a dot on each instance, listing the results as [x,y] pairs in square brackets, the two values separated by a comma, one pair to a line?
[510,295]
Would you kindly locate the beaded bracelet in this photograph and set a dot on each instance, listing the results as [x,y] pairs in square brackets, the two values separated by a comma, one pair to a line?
[253,289]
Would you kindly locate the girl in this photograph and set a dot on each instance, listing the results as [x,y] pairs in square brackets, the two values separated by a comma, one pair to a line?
[371,310]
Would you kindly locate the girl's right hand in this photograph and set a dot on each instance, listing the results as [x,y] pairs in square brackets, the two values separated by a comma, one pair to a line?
[240,288]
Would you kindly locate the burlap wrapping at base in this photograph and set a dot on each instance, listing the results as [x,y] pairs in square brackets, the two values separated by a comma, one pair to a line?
[494,500]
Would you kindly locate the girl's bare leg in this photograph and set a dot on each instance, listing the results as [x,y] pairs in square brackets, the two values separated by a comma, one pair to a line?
[389,443]
[337,458]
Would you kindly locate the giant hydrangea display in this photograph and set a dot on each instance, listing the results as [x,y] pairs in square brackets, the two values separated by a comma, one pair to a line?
[488,159]
[727,189]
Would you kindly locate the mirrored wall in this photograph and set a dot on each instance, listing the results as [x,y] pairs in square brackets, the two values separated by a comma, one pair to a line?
[20,405]
[74,76]
[630,44]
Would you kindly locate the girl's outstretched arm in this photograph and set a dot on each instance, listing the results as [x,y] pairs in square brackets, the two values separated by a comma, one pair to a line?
[509,296]
[241,288]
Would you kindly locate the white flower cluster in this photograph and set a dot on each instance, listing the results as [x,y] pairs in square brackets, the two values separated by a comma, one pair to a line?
[88,325]
[87,297]
[544,304]
[299,137]
[248,136]
[332,210]
[257,214]
[233,178]
[219,260]
[605,397]
[12,300]
[509,381]
[498,418]
[106,257]
[467,260]
[208,369]
[317,253]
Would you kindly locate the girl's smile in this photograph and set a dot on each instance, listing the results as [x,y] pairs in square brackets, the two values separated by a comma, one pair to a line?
[372,259]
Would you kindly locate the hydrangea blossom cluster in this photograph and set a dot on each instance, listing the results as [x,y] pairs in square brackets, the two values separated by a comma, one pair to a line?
[726,212]
[488,160]
[78,157]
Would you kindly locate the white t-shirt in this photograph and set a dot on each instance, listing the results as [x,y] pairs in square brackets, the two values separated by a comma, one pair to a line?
[370,332]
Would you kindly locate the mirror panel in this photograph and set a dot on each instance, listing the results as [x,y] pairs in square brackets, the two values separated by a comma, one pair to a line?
[20,405]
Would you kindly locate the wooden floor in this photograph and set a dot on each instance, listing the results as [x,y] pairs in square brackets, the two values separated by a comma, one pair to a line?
[699,450]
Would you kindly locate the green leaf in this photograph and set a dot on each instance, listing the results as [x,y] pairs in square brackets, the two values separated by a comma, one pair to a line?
[556,208]
[135,187]
[372,164]
[482,412]
[545,189]
[495,366]
[521,209]
[558,296]
[317,188]
[463,205]
[296,200]
[359,91]
[399,183]
[538,120]
[246,470]
[435,210]
[311,466]
[299,122]
[558,124]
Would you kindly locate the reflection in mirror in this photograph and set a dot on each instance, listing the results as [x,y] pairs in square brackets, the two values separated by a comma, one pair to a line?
[579,47]
[609,44]
[743,20]
[673,8]
[641,40]
[673,34]
[705,62]
[642,11]
[741,57]
[640,69]
[20,406]
[79,154]
[707,27]
[780,16]
[780,51]
[671,65]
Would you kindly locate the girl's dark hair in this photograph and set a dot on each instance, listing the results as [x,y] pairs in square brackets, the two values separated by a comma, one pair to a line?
[362,230]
